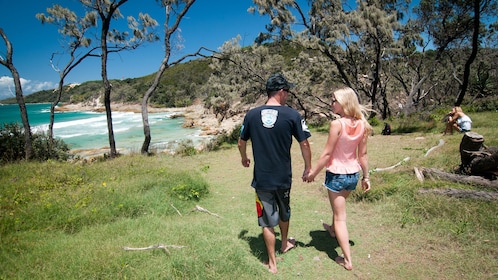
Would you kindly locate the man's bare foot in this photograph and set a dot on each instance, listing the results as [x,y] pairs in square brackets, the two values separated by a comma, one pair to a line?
[329,228]
[342,262]
[287,246]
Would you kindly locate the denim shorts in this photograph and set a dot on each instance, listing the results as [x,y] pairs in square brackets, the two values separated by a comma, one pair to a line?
[338,182]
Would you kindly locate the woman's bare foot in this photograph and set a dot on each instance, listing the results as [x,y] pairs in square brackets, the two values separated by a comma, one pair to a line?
[271,268]
[286,247]
[329,228]
[342,262]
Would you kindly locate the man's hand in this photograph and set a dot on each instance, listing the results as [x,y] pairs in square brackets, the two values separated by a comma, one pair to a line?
[246,162]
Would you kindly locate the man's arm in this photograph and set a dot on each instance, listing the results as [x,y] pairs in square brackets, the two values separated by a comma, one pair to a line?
[306,153]
[243,152]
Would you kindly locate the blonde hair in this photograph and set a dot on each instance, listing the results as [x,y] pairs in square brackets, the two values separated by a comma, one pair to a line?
[352,107]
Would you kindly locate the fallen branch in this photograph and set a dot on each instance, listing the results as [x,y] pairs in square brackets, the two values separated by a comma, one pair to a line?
[457,178]
[441,143]
[391,167]
[459,193]
[158,246]
[198,208]
[176,210]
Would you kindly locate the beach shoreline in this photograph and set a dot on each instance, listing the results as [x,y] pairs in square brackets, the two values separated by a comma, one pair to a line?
[195,116]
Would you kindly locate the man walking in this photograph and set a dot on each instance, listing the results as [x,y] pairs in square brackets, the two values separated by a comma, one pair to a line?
[271,128]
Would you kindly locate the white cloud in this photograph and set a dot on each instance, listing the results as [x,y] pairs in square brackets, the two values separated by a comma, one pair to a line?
[7,88]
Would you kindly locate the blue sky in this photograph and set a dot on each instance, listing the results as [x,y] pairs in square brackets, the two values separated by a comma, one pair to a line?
[208,23]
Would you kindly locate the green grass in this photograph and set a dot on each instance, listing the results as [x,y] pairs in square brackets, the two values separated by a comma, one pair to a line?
[72,220]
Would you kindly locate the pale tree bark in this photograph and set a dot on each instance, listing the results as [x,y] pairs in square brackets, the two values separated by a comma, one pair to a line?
[171,14]
[107,11]
[9,64]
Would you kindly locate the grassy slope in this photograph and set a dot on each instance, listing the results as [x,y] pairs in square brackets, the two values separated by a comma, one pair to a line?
[397,233]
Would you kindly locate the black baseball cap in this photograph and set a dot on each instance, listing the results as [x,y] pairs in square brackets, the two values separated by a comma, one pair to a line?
[277,82]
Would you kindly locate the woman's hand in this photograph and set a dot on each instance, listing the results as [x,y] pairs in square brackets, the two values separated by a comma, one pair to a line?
[365,184]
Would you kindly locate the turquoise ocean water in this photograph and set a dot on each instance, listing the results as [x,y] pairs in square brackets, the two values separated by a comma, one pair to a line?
[88,130]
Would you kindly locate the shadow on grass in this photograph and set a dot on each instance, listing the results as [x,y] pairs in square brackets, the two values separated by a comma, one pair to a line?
[258,247]
[321,240]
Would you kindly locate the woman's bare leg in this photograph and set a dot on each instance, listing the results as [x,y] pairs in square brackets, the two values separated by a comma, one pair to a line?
[338,203]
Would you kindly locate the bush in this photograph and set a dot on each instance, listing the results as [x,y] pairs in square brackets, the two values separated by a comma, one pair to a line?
[12,145]
[186,148]
[227,138]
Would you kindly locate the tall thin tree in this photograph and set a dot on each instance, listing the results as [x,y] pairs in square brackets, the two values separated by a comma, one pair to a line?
[73,30]
[8,62]
[108,11]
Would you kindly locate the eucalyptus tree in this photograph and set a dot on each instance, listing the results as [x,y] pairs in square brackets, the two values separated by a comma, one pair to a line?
[355,41]
[7,61]
[175,11]
[239,76]
[114,40]
[73,31]
[458,24]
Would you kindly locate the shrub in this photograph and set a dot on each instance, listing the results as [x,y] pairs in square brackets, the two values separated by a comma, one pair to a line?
[186,148]
[12,145]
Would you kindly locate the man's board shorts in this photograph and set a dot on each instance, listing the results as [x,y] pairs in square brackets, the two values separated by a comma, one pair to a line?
[338,182]
[272,207]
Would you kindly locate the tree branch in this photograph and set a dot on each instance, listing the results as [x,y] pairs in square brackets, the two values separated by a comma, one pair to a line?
[158,246]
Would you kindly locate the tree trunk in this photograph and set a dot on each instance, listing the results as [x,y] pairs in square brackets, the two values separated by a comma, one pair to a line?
[7,62]
[475,46]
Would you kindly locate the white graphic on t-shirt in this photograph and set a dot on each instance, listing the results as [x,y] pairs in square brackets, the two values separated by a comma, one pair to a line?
[269,117]
[304,126]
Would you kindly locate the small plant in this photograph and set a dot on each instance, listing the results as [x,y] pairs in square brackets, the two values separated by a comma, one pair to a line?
[186,148]
[186,191]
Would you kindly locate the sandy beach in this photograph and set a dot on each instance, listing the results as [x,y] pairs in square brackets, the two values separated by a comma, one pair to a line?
[195,116]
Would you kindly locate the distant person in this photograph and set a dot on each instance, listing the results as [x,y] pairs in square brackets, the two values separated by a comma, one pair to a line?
[344,156]
[271,128]
[457,119]
[387,129]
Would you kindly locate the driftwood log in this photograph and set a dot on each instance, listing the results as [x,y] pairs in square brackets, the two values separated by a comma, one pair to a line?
[459,193]
[433,173]
[151,247]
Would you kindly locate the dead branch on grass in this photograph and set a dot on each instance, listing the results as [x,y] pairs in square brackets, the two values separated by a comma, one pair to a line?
[200,209]
[441,143]
[391,167]
[176,210]
[158,246]
[459,193]
[457,178]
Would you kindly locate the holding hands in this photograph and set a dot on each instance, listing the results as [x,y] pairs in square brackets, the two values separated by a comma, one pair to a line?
[308,176]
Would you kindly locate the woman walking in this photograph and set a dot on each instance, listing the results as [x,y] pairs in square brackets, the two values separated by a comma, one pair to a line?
[344,156]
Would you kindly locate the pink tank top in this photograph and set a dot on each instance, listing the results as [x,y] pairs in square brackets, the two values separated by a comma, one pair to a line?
[344,159]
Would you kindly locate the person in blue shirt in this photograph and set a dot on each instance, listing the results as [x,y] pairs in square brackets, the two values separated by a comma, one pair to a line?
[271,128]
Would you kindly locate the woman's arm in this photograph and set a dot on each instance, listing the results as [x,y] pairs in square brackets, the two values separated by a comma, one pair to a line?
[334,132]
[363,160]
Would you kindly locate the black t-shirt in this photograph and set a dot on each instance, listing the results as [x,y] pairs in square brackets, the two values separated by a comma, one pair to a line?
[270,129]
